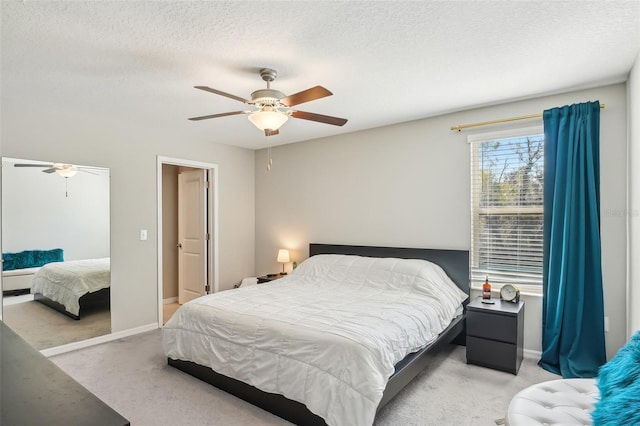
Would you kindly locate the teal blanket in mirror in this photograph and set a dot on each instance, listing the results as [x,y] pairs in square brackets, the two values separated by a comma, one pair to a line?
[31,258]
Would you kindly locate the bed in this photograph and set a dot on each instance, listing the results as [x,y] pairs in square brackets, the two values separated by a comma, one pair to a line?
[73,286]
[276,345]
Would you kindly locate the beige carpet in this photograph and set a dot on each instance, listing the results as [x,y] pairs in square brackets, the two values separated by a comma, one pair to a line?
[46,328]
[132,376]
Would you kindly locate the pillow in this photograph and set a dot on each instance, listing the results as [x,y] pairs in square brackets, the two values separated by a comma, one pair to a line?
[415,275]
[42,257]
[619,385]
[31,258]
[21,260]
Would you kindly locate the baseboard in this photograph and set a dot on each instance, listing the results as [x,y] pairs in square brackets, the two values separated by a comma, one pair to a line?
[98,340]
[530,354]
[170,300]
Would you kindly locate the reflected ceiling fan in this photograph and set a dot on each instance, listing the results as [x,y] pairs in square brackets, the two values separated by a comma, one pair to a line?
[64,170]
[274,108]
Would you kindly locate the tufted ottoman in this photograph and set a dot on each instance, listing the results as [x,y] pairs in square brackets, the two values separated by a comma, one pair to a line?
[557,402]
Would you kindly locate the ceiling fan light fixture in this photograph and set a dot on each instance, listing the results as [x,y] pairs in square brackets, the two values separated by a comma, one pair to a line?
[66,172]
[268,119]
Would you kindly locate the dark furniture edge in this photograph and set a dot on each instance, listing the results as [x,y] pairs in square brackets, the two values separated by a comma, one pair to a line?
[277,404]
[35,391]
[101,297]
[454,262]
[414,363]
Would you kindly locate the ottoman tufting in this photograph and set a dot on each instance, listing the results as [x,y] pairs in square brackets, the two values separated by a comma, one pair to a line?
[557,402]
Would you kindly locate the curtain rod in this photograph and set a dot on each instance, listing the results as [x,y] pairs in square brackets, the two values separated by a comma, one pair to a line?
[459,127]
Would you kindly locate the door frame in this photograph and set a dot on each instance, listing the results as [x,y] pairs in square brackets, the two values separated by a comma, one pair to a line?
[212,220]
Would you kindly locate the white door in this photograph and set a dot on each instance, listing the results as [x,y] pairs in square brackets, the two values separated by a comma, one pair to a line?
[192,230]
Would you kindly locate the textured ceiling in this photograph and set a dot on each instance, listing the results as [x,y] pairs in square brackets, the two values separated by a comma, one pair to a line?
[385,61]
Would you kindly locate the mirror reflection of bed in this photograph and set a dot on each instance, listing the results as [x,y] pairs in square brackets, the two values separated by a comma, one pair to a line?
[55,242]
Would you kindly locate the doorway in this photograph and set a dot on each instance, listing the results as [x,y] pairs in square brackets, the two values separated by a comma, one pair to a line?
[187,193]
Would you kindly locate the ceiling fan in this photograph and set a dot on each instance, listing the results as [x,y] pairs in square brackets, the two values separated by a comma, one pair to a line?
[274,108]
[64,170]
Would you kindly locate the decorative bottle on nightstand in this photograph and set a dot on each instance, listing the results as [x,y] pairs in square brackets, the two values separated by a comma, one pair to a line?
[486,289]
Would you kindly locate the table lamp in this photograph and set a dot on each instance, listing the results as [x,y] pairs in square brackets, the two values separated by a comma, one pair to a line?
[283,257]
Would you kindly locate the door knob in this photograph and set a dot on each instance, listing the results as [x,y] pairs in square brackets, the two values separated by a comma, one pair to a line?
[179,245]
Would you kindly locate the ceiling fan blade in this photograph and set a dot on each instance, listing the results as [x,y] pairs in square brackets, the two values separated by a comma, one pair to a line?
[319,118]
[31,165]
[51,170]
[218,92]
[305,96]
[269,132]
[224,114]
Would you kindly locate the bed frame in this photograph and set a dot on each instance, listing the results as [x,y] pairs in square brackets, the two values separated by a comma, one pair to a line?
[97,299]
[454,262]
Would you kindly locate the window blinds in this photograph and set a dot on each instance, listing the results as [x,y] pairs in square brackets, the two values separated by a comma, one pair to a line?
[507,209]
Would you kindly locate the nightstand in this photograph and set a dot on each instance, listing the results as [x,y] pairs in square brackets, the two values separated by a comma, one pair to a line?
[269,278]
[495,334]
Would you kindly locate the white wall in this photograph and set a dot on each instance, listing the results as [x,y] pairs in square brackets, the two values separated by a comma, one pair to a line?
[633,93]
[72,132]
[408,185]
[41,212]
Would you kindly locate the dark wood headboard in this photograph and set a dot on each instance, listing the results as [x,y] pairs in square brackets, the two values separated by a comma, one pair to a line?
[454,262]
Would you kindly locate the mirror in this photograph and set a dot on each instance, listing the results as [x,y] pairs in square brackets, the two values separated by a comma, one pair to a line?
[56,251]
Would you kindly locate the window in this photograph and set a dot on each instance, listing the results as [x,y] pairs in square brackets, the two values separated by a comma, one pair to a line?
[507,208]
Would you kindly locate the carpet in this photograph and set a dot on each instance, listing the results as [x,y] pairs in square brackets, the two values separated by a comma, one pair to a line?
[45,328]
[132,376]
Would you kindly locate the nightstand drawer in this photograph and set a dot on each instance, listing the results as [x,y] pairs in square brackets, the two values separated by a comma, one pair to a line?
[497,355]
[503,328]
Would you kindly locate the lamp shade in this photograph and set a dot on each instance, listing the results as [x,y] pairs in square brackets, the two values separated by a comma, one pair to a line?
[283,256]
[266,119]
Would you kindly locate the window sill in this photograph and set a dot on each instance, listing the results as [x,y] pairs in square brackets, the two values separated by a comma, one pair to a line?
[529,291]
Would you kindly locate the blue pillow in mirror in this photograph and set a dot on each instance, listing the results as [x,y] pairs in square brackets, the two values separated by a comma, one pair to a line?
[31,258]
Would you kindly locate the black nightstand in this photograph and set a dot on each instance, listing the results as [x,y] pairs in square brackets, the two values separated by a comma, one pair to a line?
[495,334]
[269,278]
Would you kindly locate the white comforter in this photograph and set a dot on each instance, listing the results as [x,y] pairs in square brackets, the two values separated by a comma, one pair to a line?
[328,335]
[66,282]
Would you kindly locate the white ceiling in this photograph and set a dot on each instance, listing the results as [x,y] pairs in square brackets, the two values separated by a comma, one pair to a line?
[385,61]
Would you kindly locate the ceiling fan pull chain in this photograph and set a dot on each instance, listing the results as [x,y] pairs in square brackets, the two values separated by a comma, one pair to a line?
[66,187]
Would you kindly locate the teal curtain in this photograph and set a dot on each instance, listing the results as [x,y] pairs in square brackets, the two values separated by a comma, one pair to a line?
[573,309]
